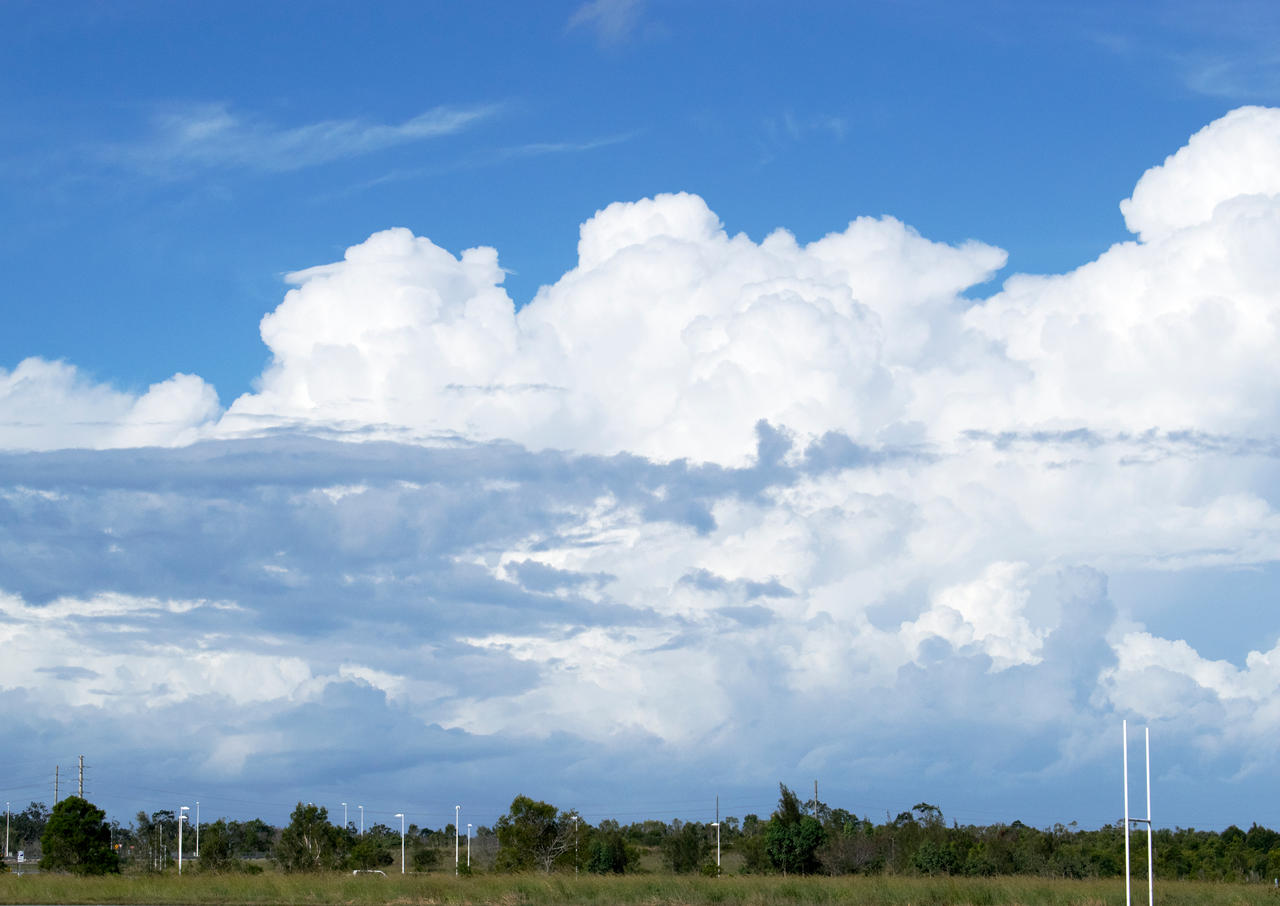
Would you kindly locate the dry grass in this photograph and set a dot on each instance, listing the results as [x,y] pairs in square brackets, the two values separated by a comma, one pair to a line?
[274,889]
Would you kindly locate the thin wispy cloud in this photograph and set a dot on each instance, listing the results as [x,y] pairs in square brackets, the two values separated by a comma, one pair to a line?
[488,158]
[612,21]
[209,136]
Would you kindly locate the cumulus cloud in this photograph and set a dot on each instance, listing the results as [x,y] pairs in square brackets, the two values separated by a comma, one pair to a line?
[46,405]
[800,478]
[669,339]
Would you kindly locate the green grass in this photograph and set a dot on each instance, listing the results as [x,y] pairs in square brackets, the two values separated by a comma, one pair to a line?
[273,889]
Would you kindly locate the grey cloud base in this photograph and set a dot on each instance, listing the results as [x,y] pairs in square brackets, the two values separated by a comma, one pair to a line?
[324,616]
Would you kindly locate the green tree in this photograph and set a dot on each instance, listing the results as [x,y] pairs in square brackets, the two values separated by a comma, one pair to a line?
[310,842]
[607,853]
[425,858]
[792,837]
[369,853]
[532,835]
[77,839]
[685,847]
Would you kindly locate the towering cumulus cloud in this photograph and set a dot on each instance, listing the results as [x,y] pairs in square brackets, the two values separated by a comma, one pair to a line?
[669,339]
[814,482]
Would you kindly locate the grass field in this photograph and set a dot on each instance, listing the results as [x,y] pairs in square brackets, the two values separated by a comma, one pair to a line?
[271,889]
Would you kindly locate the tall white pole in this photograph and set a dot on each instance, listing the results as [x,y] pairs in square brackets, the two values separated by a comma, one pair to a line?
[344,817]
[400,815]
[6,830]
[197,828]
[457,813]
[181,817]
[1128,893]
[361,807]
[1151,878]
[468,844]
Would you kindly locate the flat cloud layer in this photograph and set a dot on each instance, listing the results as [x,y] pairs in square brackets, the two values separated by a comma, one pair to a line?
[750,508]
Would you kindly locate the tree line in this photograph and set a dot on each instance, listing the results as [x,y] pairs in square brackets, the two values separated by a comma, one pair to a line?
[796,838]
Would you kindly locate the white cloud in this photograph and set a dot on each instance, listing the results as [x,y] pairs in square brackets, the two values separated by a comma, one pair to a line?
[921,520]
[612,20]
[212,135]
[48,405]
[669,339]
[1237,155]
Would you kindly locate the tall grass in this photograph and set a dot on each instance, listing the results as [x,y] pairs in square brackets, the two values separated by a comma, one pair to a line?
[273,889]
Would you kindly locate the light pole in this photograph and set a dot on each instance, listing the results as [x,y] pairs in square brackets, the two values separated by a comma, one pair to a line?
[468,845]
[716,825]
[575,844]
[344,817]
[361,807]
[6,830]
[400,815]
[181,817]
[457,813]
[197,828]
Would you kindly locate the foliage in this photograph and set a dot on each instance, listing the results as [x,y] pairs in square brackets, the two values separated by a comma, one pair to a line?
[310,842]
[792,838]
[77,839]
[425,858]
[218,852]
[607,852]
[369,853]
[27,826]
[684,849]
[532,835]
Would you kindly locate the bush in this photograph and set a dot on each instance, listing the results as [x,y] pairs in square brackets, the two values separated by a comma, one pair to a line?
[77,839]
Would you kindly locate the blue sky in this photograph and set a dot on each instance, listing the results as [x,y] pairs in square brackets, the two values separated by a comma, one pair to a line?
[571,408]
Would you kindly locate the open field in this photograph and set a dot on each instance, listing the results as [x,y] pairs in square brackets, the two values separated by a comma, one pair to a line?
[273,889]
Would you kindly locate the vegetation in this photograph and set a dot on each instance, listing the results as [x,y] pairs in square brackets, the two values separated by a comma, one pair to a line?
[310,842]
[77,839]
[536,839]
[584,889]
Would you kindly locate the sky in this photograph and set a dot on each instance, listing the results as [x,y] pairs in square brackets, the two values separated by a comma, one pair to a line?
[629,403]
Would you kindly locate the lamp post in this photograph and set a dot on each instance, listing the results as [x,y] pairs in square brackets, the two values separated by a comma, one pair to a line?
[575,843]
[181,817]
[197,828]
[400,815]
[457,813]
[6,830]
[716,825]
[361,807]
[344,816]
[468,845]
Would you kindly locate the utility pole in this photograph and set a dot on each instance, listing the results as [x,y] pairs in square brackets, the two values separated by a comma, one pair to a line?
[6,830]
[80,787]
[815,800]
[55,784]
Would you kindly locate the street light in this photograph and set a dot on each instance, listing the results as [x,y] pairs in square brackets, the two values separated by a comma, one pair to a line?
[361,807]
[344,816]
[6,830]
[716,825]
[197,828]
[457,813]
[400,815]
[468,845]
[181,817]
